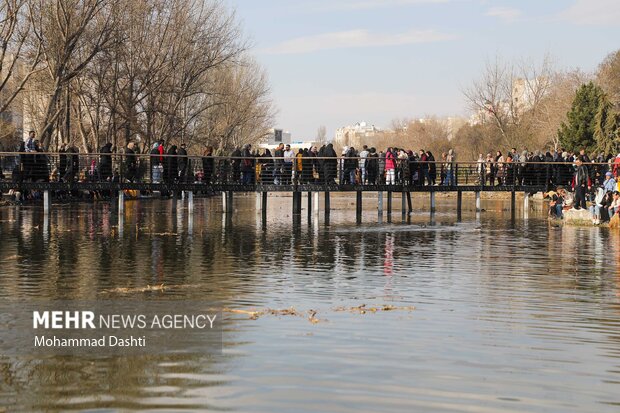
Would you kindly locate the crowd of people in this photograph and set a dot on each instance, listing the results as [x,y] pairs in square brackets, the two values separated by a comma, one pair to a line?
[320,165]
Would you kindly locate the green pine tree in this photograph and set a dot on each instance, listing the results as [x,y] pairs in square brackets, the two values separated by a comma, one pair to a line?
[578,132]
[606,127]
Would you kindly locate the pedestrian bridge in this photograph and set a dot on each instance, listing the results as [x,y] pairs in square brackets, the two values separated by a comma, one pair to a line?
[112,174]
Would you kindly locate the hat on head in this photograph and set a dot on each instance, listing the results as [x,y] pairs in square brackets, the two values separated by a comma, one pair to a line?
[609,174]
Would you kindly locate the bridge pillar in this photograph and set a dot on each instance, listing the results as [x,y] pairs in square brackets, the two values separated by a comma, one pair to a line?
[296,203]
[359,207]
[409,205]
[526,204]
[263,199]
[513,204]
[389,203]
[478,202]
[433,206]
[121,201]
[47,202]
[327,204]
[309,206]
[380,203]
[404,204]
[459,205]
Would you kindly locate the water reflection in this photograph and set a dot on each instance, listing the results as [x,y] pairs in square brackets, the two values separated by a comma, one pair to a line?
[511,315]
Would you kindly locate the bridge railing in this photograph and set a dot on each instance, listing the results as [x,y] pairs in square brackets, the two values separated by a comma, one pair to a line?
[174,169]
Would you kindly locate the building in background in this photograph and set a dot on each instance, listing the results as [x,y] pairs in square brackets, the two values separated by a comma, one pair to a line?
[357,135]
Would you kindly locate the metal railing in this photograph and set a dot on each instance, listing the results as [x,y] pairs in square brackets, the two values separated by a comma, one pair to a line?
[244,170]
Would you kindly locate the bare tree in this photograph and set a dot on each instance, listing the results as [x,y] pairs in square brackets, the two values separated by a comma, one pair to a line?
[72,33]
[509,95]
[18,61]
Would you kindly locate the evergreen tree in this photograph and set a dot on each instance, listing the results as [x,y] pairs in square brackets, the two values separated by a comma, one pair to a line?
[606,127]
[578,132]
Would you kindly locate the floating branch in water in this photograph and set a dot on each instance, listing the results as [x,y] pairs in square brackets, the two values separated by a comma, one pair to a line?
[362,309]
[127,290]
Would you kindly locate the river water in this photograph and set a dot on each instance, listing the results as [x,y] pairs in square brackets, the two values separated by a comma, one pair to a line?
[510,316]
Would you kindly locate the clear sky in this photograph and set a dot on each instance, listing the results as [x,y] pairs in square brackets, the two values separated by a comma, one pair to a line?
[337,62]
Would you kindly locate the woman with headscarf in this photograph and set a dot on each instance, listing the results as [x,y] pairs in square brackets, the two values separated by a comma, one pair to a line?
[105,162]
[330,164]
[432,167]
[500,173]
[171,169]
[208,165]
[306,166]
[266,161]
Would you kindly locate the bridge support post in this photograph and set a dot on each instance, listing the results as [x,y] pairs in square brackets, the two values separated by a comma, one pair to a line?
[526,204]
[433,205]
[263,199]
[389,203]
[459,205]
[121,201]
[309,206]
[404,204]
[296,203]
[513,204]
[478,202]
[409,205]
[380,203]
[359,207]
[47,202]
[327,204]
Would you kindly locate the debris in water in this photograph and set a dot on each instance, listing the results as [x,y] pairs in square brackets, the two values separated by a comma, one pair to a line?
[362,309]
[127,290]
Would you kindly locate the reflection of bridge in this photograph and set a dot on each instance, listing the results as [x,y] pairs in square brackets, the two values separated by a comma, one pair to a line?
[297,191]
[57,173]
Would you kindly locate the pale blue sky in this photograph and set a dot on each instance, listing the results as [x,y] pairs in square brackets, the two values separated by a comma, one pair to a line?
[337,62]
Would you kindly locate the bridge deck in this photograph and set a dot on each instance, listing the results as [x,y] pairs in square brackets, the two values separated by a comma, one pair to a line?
[200,187]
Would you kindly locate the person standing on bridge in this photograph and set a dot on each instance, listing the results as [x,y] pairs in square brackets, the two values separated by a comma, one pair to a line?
[208,165]
[372,165]
[131,163]
[247,166]
[171,166]
[235,163]
[105,162]
[451,168]
[287,167]
[432,168]
[330,164]
[390,167]
[362,164]
[278,164]
[183,163]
